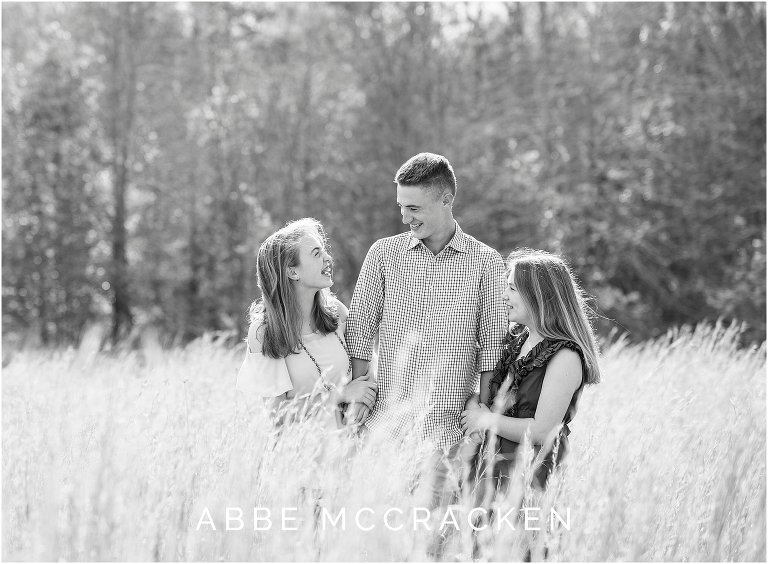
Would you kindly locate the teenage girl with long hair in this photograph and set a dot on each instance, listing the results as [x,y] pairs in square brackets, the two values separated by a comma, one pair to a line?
[295,344]
[550,354]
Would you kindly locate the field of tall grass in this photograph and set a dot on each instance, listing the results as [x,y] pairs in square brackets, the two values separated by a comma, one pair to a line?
[122,457]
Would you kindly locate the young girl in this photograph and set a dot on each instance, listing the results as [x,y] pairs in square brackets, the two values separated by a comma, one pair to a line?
[295,345]
[549,355]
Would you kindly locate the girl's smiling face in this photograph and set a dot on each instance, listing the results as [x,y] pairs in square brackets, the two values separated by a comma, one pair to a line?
[517,311]
[315,268]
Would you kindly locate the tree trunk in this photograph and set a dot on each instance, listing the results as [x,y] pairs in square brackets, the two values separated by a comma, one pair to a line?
[193,284]
[543,83]
[123,96]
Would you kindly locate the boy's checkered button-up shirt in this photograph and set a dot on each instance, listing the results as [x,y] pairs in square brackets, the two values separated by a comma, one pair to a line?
[440,322]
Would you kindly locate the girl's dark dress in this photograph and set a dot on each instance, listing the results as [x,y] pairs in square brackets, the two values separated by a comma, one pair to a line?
[527,376]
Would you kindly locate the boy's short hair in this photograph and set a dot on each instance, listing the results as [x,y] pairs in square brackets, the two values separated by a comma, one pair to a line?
[430,171]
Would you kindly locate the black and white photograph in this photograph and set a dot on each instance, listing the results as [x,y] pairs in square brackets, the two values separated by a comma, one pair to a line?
[383,281]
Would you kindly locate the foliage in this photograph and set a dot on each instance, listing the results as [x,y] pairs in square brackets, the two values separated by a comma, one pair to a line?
[151,147]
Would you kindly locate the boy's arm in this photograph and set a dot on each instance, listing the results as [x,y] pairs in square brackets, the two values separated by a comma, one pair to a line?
[365,313]
[360,368]
[491,323]
[476,399]
[485,386]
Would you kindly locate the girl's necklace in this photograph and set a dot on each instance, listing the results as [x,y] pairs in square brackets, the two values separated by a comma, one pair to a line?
[327,385]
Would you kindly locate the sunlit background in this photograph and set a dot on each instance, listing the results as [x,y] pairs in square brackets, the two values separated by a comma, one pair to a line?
[148,149]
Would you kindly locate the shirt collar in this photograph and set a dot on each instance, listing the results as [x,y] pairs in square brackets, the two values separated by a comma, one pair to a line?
[458,242]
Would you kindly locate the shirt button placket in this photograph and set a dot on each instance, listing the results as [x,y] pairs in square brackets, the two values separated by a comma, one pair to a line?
[423,353]
[431,311]
[431,299]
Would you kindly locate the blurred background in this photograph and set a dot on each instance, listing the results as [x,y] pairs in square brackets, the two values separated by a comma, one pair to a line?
[149,148]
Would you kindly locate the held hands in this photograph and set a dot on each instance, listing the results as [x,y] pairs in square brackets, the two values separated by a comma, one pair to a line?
[359,391]
[476,418]
[356,413]
[473,401]
[357,399]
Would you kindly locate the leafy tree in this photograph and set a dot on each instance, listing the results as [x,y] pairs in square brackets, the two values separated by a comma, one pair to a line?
[150,149]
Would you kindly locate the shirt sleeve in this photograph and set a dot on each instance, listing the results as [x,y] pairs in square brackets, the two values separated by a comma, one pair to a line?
[259,374]
[367,305]
[491,325]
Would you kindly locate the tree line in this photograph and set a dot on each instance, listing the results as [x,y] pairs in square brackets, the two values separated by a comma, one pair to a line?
[149,148]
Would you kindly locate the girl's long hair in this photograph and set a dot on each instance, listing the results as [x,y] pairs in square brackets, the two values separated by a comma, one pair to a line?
[278,309]
[556,303]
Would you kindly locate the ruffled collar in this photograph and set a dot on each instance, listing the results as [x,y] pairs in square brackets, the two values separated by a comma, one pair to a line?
[513,344]
[518,368]
[532,358]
